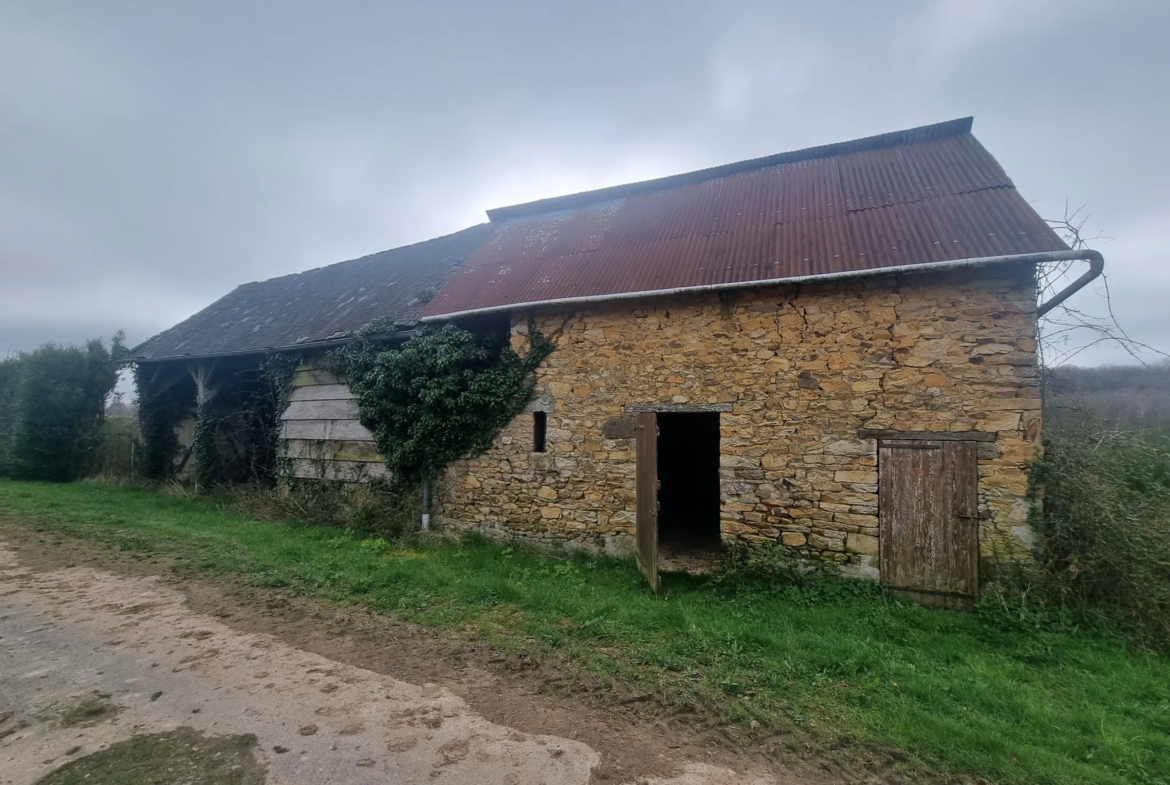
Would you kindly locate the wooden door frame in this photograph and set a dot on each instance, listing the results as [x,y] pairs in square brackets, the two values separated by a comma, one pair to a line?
[646,485]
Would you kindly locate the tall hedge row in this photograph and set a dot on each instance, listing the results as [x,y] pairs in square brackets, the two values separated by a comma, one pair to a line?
[52,405]
[1105,527]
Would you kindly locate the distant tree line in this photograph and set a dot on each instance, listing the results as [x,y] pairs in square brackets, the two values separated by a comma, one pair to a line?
[1121,396]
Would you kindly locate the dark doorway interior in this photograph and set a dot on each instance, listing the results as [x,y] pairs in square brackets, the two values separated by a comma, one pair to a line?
[688,473]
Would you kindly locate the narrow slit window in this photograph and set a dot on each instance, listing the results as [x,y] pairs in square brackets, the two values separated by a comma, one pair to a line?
[539,427]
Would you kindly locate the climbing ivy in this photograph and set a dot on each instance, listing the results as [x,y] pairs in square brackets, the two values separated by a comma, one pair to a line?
[163,402]
[440,396]
[279,370]
[209,468]
[237,430]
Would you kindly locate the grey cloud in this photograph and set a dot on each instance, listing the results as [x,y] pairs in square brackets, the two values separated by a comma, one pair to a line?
[154,156]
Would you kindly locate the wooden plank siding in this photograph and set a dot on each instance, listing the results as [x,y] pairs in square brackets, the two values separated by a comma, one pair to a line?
[322,410]
[321,392]
[332,449]
[322,437]
[341,471]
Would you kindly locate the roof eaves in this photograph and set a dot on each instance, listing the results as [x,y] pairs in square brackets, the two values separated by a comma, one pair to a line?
[400,335]
[927,267]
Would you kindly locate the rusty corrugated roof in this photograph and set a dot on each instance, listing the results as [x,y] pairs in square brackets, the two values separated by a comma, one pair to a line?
[930,194]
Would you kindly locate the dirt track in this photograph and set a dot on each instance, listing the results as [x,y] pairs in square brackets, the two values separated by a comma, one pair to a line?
[90,658]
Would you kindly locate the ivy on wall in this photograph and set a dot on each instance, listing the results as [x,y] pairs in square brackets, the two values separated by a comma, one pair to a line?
[237,428]
[163,402]
[237,431]
[440,396]
[205,450]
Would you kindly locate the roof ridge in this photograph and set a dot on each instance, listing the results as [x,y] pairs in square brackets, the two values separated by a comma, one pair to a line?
[922,133]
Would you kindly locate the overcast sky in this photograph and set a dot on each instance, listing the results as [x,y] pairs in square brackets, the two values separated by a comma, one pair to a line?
[154,155]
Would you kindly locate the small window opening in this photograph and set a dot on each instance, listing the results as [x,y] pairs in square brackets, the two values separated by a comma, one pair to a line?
[539,427]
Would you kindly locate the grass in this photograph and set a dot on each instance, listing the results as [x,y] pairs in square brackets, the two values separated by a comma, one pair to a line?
[960,692]
[88,711]
[179,756]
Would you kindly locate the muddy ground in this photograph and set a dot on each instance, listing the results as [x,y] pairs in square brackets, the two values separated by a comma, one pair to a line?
[630,740]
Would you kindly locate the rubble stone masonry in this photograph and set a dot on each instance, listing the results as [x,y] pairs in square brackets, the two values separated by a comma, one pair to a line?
[802,368]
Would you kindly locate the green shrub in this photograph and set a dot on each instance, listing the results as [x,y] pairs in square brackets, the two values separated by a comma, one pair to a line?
[441,396]
[9,393]
[372,507]
[54,406]
[1104,526]
[119,446]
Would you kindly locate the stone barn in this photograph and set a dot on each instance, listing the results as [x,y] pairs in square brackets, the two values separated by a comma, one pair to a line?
[833,350]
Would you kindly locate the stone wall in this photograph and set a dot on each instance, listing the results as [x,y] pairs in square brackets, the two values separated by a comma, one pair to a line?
[802,369]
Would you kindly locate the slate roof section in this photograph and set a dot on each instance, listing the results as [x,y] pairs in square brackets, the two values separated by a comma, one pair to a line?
[318,305]
[929,194]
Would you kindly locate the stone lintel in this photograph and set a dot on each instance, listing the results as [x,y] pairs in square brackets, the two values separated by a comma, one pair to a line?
[670,408]
[541,403]
[934,436]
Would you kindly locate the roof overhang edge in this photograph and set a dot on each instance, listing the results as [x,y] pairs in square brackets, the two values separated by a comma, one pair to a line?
[401,335]
[925,267]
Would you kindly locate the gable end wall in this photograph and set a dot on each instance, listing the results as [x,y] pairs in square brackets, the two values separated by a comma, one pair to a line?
[802,369]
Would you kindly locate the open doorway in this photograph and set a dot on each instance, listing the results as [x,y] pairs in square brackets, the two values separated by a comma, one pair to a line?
[688,493]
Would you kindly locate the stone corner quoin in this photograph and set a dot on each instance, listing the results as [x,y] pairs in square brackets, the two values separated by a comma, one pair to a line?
[803,368]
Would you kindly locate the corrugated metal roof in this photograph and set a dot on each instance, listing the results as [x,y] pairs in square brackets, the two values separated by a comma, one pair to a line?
[928,194]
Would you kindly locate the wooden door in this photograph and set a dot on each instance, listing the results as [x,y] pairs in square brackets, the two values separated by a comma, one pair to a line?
[928,507]
[647,487]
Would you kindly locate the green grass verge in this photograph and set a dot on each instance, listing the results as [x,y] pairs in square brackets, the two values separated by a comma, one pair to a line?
[961,692]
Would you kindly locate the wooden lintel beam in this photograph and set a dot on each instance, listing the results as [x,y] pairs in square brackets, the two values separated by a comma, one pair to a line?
[933,436]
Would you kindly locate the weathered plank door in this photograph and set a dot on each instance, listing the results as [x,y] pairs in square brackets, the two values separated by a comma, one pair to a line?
[647,486]
[928,507]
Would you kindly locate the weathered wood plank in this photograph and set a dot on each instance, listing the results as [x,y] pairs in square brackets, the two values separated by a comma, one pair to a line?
[962,470]
[322,392]
[647,488]
[928,511]
[909,505]
[307,377]
[339,471]
[322,410]
[320,430]
[930,436]
[333,450]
